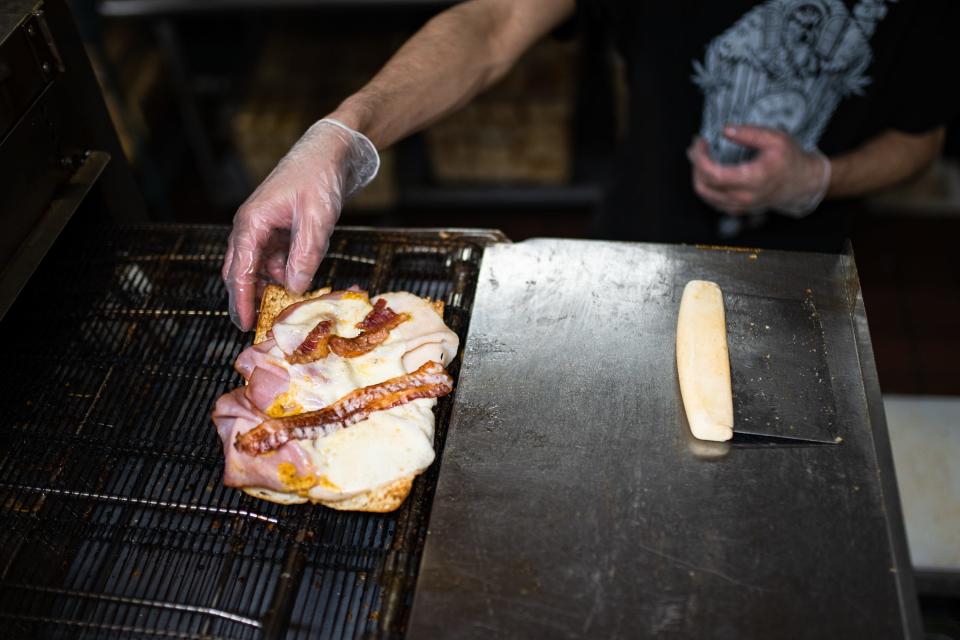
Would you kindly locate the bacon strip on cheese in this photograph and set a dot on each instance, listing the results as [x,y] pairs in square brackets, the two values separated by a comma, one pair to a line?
[429,381]
[376,326]
[382,317]
[315,346]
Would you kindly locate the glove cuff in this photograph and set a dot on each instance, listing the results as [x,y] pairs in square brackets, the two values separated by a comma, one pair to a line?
[805,206]
[364,159]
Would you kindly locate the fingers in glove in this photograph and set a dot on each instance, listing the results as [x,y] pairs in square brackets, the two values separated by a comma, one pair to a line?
[227,259]
[274,260]
[261,287]
[249,238]
[760,138]
[241,298]
[718,199]
[736,195]
[312,224]
[274,267]
[716,175]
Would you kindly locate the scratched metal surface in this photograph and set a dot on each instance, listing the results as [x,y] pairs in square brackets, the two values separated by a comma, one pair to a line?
[573,503]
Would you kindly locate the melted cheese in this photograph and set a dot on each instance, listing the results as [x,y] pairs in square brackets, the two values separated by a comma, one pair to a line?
[284,404]
[386,446]
[375,452]
[287,474]
[347,310]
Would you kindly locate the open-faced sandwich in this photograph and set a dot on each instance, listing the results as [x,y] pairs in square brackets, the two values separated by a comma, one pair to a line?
[338,403]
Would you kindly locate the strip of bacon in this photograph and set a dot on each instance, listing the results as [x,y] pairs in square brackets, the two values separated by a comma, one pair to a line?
[315,346]
[381,316]
[429,381]
[376,326]
[363,343]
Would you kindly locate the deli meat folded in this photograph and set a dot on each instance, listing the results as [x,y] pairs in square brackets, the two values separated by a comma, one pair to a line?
[338,402]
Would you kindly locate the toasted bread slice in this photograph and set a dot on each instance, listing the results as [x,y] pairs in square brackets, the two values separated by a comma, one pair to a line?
[276,299]
[380,500]
[273,496]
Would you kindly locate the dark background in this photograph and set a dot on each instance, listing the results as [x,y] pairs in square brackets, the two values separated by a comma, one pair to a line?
[208,96]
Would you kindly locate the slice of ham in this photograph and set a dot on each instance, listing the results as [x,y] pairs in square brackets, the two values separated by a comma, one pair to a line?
[429,381]
[235,415]
[427,338]
[263,354]
[265,384]
[262,367]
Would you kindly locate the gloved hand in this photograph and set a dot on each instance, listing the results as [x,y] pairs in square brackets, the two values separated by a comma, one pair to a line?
[782,177]
[282,231]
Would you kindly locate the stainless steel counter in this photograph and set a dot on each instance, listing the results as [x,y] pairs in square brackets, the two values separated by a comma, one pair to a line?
[573,503]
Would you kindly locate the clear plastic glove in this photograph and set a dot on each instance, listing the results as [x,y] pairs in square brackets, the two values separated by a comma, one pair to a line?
[282,231]
[783,177]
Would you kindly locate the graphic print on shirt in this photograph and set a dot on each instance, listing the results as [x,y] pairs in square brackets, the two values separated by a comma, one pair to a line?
[786,64]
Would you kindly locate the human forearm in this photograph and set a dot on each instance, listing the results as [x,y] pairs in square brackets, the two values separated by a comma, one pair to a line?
[282,231]
[453,57]
[883,161]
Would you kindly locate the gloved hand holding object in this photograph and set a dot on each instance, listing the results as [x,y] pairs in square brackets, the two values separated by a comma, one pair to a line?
[282,231]
[782,177]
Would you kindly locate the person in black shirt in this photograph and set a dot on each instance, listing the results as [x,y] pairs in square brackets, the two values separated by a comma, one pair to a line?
[748,121]
[771,90]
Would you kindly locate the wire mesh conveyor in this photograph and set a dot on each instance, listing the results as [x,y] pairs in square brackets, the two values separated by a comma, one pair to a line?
[114,520]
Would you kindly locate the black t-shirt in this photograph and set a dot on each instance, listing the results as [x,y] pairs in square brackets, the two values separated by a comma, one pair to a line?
[831,73]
